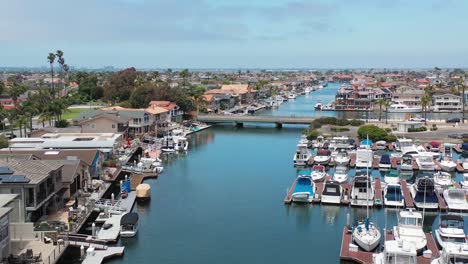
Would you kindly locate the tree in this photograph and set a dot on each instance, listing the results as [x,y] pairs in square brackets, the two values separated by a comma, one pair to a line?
[143,94]
[2,87]
[386,104]
[88,85]
[185,75]
[381,103]
[374,132]
[3,142]
[61,62]
[51,60]
[120,85]
[425,102]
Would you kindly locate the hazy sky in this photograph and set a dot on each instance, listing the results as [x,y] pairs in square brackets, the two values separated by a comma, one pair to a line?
[236,33]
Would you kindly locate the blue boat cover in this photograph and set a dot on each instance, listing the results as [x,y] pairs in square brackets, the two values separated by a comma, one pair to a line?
[304,185]
[385,159]
[465,146]
[367,142]
[394,193]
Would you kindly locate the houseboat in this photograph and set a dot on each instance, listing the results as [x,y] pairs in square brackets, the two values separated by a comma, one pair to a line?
[396,252]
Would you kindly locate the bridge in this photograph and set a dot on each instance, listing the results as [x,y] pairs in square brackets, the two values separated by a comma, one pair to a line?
[239,120]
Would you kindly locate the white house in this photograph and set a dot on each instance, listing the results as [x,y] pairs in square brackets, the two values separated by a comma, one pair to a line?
[447,103]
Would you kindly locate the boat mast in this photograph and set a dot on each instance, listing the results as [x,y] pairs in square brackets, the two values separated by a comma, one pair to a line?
[367,185]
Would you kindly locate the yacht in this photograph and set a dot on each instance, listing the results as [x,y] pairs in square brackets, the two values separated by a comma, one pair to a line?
[385,163]
[410,229]
[323,157]
[129,225]
[304,189]
[342,158]
[451,230]
[341,174]
[443,179]
[318,143]
[381,145]
[367,235]
[318,173]
[362,192]
[464,182]
[396,252]
[447,164]
[453,254]
[147,165]
[423,193]
[180,140]
[402,108]
[302,155]
[304,140]
[291,96]
[318,106]
[331,193]
[167,144]
[456,199]
[425,162]
[405,145]
[364,158]
[392,176]
[393,195]
[406,163]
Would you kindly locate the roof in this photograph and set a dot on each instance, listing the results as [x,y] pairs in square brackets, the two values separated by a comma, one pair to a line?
[35,170]
[85,155]
[4,211]
[7,198]
[156,110]
[164,104]
[69,169]
[117,113]
[208,97]
[129,219]
[236,88]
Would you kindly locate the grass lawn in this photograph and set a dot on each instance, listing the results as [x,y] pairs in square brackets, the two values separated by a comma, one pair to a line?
[72,113]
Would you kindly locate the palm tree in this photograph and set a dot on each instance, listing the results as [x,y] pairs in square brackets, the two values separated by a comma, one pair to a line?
[51,59]
[185,74]
[425,102]
[381,102]
[200,102]
[387,103]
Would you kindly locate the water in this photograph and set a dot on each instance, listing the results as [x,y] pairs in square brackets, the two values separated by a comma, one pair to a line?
[222,202]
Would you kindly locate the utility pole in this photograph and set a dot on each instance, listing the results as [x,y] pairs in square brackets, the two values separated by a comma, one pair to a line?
[463,99]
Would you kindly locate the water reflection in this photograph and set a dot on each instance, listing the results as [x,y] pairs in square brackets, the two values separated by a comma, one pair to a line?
[331,213]
[303,215]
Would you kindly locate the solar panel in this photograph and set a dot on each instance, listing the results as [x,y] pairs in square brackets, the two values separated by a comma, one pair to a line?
[5,170]
[14,179]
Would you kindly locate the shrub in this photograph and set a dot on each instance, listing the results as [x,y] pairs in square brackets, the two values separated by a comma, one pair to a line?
[391,138]
[313,134]
[419,129]
[342,122]
[388,129]
[62,123]
[434,127]
[3,142]
[374,132]
[356,122]
[339,129]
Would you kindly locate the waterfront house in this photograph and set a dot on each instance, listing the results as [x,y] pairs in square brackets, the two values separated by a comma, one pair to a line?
[175,114]
[98,121]
[408,96]
[245,93]
[161,119]
[447,103]
[9,212]
[221,100]
[38,183]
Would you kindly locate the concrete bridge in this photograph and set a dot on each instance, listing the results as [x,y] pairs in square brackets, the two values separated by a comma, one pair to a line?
[239,120]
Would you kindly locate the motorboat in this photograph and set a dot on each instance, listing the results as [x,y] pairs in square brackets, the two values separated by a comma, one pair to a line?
[434,146]
[291,96]
[364,158]
[410,229]
[307,89]
[342,158]
[464,182]
[367,235]
[318,173]
[392,176]
[385,163]
[425,162]
[302,155]
[406,163]
[453,254]
[180,140]
[318,106]
[443,179]
[331,193]
[405,145]
[304,190]
[323,157]
[340,143]
[393,195]
[456,199]
[450,230]
[381,145]
[129,225]
[146,165]
[318,143]
[341,174]
[167,144]
[362,192]
[304,140]
[423,193]
[447,164]
[396,252]
[402,108]
[143,191]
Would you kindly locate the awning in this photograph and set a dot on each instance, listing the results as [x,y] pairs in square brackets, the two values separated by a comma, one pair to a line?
[129,219]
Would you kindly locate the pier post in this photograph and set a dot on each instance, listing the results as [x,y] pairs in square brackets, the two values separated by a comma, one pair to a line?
[239,124]
[82,251]
[278,125]
[348,224]
[93,229]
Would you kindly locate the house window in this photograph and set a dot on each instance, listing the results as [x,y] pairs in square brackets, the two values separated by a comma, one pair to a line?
[146,117]
[113,125]
[93,125]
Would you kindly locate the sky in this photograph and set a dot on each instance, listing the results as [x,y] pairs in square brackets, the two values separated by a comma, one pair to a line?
[236,33]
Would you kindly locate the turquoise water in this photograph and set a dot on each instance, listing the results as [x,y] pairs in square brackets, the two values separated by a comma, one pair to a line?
[222,202]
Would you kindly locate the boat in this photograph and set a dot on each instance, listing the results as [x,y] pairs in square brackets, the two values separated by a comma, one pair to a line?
[129,225]
[396,252]
[423,193]
[304,189]
[392,176]
[452,254]
[456,199]
[434,146]
[406,163]
[364,158]
[180,140]
[425,162]
[143,191]
[302,155]
[450,230]
[291,96]
[331,193]
[405,145]
[304,140]
[464,182]
[464,148]
[342,158]
[381,145]
[167,145]
[393,195]
[323,157]
[318,143]
[307,89]
[402,108]
[410,229]
[318,106]
[443,179]
[464,163]
[341,174]
[447,164]
[318,173]
[362,192]
[146,165]
[385,163]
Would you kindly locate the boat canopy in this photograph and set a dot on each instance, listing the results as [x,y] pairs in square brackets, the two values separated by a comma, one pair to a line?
[331,188]
[465,146]
[385,159]
[129,219]
[451,217]
[381,142]
[323,152]
[351,141]
[434,144]
[426,183]
[318,167]
[392,173]
[366,142]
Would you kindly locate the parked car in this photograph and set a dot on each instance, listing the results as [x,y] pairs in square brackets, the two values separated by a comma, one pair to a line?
[453,120]
[10,135]
[457,136]
[417,119]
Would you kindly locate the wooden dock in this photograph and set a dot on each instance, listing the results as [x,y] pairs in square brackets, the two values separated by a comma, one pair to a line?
[137,179]
[457,149]
[460,167]
[288,198]
[378,193]
[318,192]
[407,195]
[442,204]
[415,165]
[375,163]
[348,254]
[346,193]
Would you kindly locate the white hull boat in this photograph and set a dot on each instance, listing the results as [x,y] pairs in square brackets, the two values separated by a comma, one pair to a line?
[318,173]
[302,155]
[402,108]
[443,179]
[393,195]
[450,230]
[456,199]
[447,164]
[331,193]
[410,229]
[453,254]
[396,252]
[341,174]
[366,235]
[362,192]
[423,193]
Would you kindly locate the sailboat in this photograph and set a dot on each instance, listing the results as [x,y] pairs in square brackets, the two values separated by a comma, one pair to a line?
[366,234]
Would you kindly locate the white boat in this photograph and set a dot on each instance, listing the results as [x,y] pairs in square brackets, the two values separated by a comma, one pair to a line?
[402,108]
[425,162]
[303,140]
[129,225]
[451,230]
[393,195]
[304,190]
[392,176]
[456,199]
[406,163]
[318,173]
[385,163]
[453,254]
[291,96]
[323,157]
[381,145]
[342,158]
[318,106]
[146,165]
[366,235]
[447,164]
[362,192]
[405,145]
[341,174]
[307,89]
[318,143]
[396,252]
[168,144]
[364,158]
[443,179]
[464,182]
[423,193]
[331,193]
[302,155]
[410,229]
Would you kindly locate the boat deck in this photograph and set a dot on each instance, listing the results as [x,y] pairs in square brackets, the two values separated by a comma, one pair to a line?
[288,198]
[431,244]
[378,201]
[407,195]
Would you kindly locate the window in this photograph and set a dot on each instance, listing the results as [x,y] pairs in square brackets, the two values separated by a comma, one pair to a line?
[113,125]
[93,125]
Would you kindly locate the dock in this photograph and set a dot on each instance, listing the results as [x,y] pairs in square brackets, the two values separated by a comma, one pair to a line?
[346,193]
[352,161]
[318,191]
[457,149]
[137,179]
[288,198]
[378,193]
[98,256]
[375,163]
[460,168]
[348,254]
[442,204]
[407,195]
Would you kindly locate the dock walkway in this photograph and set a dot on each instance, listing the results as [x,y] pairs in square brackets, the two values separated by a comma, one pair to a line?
[98,256]
[407,195]
[139,178]
[288,198]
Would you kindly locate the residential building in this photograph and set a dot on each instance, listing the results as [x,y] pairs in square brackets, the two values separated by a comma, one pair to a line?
[9,208]
[408,96]
[447,103]
[174,112]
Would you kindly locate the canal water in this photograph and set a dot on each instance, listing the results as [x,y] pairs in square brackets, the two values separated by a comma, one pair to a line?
[222,202]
